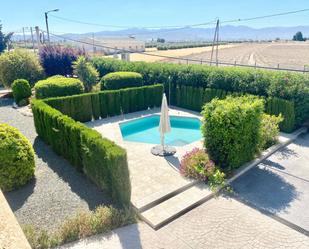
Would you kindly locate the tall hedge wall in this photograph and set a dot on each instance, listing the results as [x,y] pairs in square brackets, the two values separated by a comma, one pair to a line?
[289,86]
[100,159]
[85,107]
[194,98]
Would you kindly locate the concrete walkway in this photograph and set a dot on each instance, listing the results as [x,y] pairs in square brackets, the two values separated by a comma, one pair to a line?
[219,223]
[280,185]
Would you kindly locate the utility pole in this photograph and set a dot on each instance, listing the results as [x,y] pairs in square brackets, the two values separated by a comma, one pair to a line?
[46,21]
[215,42]
[47,29]
[24,37]
[218,25]
[93,48]
[32,39]
[37,31]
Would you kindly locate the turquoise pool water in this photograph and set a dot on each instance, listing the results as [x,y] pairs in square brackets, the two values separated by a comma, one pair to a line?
[184,130]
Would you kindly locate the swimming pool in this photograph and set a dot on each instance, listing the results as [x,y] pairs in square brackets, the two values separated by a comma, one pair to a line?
[184,130]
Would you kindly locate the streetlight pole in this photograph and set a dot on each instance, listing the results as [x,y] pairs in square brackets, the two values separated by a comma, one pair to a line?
[46,21]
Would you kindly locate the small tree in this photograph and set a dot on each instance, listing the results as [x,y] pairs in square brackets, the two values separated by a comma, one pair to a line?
[298,36]
[161,40]
[4,39]
[86,73]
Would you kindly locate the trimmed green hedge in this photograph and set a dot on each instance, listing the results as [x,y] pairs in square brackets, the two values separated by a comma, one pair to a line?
[194,98]
[231,129]
[118,80]
[290,86]
[101,160]
[88,106]
[58,86]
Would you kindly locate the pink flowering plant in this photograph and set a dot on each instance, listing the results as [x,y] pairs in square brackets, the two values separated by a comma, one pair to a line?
[196,164]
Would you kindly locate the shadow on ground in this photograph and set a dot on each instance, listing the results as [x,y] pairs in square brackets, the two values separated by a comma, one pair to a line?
[265,189]
[77,181]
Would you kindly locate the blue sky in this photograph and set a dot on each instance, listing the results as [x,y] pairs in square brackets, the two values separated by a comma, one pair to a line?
[15,14]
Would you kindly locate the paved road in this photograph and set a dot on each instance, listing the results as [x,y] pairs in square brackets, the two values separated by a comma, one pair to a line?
[279,185]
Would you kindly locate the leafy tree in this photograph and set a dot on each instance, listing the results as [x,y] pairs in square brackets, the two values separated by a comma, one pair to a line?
[298,36]
[4,39]
[161,40]
[86,73]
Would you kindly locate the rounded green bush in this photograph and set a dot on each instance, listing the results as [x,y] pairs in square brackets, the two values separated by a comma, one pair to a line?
[57,86]
[118,80]
[16,158]
[19,64]
[21,90]
[231,130]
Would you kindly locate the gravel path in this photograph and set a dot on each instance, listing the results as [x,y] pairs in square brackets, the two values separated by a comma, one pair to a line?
[58,190]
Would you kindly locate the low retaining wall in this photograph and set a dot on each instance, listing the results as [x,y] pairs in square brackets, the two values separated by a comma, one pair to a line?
[11,234]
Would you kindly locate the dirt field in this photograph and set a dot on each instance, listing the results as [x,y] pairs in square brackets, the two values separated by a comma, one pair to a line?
[174,52]
[287,55]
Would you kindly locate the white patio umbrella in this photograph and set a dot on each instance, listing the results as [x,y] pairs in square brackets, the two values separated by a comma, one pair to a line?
[165,124]
[164,127]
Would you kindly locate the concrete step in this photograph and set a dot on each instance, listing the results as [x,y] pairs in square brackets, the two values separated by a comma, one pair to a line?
[161,196]
[176,206]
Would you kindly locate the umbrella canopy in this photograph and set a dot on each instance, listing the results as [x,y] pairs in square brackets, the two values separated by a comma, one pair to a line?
[165,125]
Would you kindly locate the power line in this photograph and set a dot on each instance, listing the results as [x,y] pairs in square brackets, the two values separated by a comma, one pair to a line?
[128,27]
[181,26]
[265,16]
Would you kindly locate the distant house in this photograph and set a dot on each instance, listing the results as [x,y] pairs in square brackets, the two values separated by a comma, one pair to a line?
[110,45]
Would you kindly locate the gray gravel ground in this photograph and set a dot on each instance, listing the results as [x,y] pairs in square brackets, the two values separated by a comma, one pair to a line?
[58,191]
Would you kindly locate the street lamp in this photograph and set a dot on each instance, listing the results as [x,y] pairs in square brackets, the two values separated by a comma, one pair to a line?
[46,21]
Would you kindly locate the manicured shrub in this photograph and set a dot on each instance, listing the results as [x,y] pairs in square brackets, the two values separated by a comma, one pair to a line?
[100,159]
[19,64]
[86,73]
[231,130]
[58,86]
[269,130]
[16,158]
[21,91]
[289,86]
[59,60]
[118,80]
[197,165]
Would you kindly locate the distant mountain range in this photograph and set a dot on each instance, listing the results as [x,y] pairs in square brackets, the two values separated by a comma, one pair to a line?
[227,32]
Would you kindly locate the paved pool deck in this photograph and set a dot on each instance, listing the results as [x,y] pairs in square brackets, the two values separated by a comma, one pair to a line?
[152,177]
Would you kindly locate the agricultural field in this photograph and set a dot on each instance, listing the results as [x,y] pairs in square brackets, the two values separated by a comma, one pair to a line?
[293,55]
[174,53]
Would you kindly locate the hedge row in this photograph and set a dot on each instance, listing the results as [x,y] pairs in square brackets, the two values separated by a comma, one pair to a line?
[101,160]
[85,107]
[194,98]
[285,85]
[58,86]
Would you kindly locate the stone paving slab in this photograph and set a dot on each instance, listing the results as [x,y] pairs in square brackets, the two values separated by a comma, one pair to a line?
[218,223]
[166,211]
[280,185]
